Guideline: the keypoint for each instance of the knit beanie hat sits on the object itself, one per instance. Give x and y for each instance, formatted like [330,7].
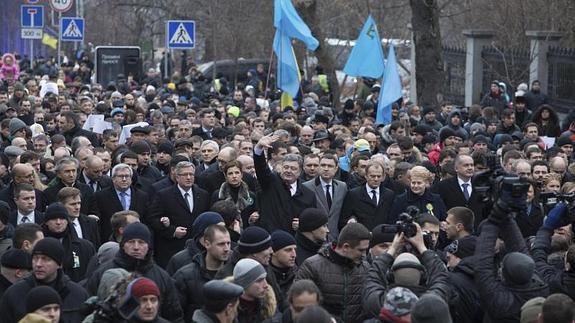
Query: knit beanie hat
[41,296]
[166,147]
[203,221]
[137,230]
[422,129]
[564,140]
[517,268]
[16,125]
[55,211]
[281,239]
[311,219]
[253,240]
[247,271]
[531,309]
[430,308]
[399,301]
[142,287]
[140,147]
[427,110]
[16,259]
[50,247]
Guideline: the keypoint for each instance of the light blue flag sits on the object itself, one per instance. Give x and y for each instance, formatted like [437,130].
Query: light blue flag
[289,22]
[391,89]
[366,58]
[289,25]
[288,76]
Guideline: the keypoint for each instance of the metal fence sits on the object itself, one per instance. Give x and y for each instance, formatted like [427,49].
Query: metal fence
[454,65]
[561,90]
[505,65]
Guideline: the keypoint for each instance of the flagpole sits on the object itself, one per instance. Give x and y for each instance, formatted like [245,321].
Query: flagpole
[269,72]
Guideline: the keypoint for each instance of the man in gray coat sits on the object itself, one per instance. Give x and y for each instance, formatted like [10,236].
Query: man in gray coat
[329,192]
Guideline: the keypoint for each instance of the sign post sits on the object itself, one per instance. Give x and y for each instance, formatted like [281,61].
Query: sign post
[180,34]
[31,23]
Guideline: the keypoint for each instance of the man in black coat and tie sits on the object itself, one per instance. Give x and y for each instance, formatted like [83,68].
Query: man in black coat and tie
[84,227]
[120,197]
[93,176]
[368,204]
[22,174]
[174,211]
[25,211]
[208,121]
[459,191]
[282,198]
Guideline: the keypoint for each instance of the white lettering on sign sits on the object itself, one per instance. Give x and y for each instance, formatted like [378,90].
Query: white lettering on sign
[110,59]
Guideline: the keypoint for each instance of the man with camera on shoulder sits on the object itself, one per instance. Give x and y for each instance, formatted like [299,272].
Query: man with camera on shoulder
[421,271]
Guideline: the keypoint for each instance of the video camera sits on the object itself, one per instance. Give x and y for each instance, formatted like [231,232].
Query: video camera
[512,198]
[551,199]
[405,224]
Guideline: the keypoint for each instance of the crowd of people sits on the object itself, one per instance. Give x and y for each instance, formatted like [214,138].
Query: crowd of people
[196,200]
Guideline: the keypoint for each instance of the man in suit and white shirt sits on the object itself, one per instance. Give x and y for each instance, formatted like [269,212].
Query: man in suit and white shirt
[92,174]
[459,191]
[329,192]
[25,212]
[121,196]
[84,226]
[173,212]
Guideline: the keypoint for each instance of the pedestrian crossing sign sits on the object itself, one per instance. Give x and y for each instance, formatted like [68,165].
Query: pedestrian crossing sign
[180,34]
[72,29]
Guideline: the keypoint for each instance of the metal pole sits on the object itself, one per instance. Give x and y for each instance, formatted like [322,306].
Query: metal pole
[32,54]
[59,37]
[166,63]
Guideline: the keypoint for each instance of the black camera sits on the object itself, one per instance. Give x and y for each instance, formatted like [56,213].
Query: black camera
[512,198]
[551,199]
[404,223]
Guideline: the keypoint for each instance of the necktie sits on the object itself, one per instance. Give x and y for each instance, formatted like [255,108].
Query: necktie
[124,201]
[92,186]
[328,195]
[25,219]
[465,191]
[186,196]
[374,197]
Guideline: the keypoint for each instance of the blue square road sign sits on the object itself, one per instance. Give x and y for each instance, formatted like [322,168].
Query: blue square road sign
[31,16]
[180,34]
[72,29]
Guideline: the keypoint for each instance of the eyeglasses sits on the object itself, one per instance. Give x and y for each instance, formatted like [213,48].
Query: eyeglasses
[186,174]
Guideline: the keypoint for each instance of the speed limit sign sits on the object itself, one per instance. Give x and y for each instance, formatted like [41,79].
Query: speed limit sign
[61,5]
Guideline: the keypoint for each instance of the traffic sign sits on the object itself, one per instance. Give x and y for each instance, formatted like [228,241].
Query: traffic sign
[181,34]
[72,29]
[61,5]
[31,16]
[31,33]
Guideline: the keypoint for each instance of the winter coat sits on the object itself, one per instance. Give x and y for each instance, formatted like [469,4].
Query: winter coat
[377,284]
[170,304]
[265,309]
[202,316]
[189,281]
[426,203]
[277,207]
[340,281]
[13,306]
[459,130]
[530,223]
[501,301]
[466,307]
[559,280]
[184,257]
[284,278]
[306,248]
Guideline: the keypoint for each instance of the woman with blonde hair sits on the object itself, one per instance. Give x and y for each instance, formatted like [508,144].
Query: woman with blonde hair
[419,195]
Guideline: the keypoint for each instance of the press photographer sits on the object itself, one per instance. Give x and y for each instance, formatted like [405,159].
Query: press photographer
[422,271]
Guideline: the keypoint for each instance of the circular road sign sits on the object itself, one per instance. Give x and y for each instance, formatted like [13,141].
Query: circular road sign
[61,5]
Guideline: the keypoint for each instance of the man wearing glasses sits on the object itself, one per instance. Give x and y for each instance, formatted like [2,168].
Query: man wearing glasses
[22,174]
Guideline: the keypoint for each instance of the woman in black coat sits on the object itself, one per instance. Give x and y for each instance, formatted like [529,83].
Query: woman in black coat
[530,221]
[237,191]
[419,195]
[547,121]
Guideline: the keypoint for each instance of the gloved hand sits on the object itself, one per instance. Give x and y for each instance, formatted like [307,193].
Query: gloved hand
[557,217]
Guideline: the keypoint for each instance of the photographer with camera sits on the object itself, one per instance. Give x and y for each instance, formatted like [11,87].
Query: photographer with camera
[426,274]
[502,299]
[559,280]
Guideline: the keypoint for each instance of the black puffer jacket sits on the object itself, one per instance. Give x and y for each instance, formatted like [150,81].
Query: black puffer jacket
[377,285]
[502,302]
[170,308]
[13,305]
[465,306]
[560,281]
[306,248]
[190,280]
[184,257]
[340,281]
